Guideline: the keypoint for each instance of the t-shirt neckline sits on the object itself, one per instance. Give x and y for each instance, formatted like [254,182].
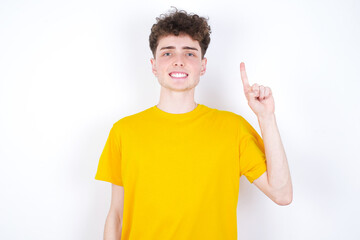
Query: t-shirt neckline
[180,116]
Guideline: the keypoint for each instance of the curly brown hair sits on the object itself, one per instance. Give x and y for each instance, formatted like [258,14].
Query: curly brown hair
[180,22]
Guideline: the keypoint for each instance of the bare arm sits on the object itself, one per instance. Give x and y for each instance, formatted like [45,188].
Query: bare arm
[113,224]
[276,181]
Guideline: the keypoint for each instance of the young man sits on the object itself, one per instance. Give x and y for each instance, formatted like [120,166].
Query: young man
[175,167]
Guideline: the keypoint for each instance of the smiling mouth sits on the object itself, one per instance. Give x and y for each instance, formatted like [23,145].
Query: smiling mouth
[178,75]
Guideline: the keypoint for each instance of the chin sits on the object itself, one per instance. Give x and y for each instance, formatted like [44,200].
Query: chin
[177,87]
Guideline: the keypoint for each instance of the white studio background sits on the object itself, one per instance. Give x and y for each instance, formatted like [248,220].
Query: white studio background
[70,69]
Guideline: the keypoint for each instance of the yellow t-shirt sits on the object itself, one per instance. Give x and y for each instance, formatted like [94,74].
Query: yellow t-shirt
[180,172]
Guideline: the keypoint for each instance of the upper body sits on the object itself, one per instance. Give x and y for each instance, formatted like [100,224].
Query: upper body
[178,64]
[181,171]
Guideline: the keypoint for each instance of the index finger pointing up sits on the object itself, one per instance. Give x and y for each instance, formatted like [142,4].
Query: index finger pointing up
[244,76]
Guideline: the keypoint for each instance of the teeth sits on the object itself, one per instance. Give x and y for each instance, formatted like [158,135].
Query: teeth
[178,75]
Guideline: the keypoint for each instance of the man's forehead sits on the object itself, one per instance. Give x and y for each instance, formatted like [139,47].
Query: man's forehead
[181,41]
[174,47]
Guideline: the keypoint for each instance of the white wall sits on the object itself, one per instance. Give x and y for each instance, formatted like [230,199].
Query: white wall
[70,69]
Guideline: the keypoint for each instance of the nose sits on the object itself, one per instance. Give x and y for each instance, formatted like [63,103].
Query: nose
[178,62]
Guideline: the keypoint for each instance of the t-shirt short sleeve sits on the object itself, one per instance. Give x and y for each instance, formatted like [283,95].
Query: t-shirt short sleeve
[109,167]
[252,160]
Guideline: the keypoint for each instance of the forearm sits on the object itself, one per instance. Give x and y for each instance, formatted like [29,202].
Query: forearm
[113,227]
[277,164]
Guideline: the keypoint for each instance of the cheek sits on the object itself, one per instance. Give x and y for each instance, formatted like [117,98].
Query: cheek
[195,62]
[160,64]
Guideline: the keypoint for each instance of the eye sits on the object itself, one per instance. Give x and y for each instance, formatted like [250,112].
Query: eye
[191,54]
[166,54]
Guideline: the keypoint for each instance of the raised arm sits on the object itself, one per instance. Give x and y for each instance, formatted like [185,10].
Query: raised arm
[276,181]
[113,224]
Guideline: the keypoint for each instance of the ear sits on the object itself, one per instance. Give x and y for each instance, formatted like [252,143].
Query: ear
[203,66]
[153,66]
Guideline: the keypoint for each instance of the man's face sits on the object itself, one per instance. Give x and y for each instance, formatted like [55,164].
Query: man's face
[178,64]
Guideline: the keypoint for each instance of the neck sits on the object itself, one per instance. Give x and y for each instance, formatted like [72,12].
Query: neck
[176,102]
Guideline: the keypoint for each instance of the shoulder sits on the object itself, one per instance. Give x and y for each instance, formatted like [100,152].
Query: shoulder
[235,120]
[229,116]
[132,119]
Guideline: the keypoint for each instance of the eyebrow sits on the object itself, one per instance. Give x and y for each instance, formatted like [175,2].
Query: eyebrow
[172,47]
